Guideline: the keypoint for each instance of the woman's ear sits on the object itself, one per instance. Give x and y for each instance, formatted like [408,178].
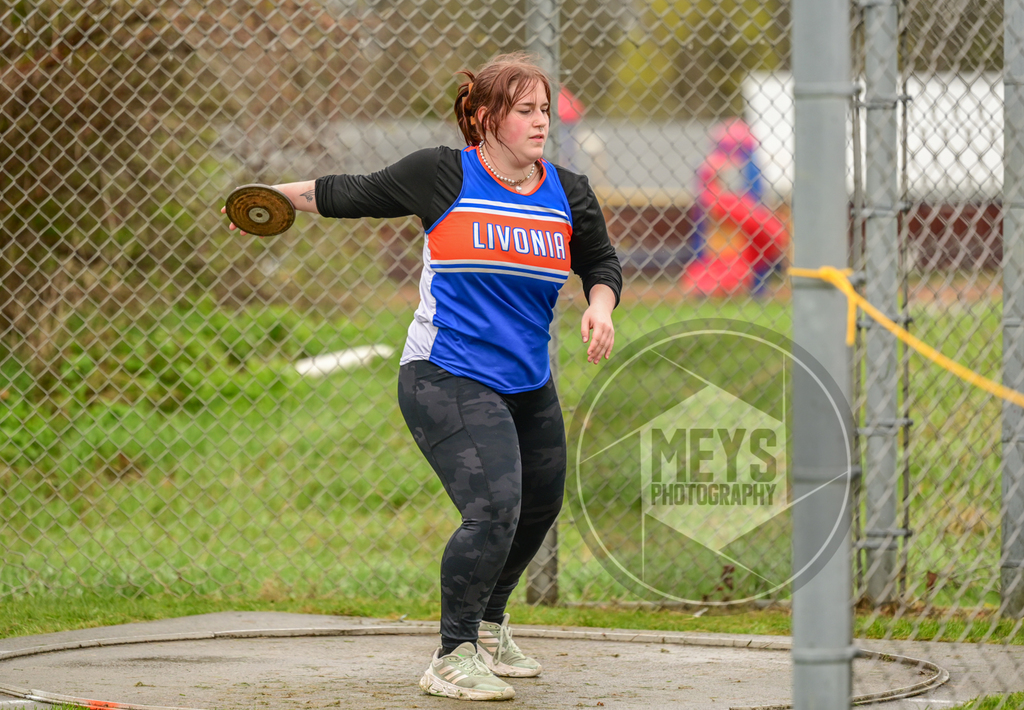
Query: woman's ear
[478,119]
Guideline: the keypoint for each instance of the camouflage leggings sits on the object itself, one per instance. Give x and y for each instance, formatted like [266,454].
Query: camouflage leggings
[501,458]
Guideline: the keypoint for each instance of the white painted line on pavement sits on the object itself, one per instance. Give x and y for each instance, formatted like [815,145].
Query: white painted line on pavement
[931,702]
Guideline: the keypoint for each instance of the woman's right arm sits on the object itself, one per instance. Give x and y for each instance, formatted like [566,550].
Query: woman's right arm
[403,188]
[412,186]
[302,194]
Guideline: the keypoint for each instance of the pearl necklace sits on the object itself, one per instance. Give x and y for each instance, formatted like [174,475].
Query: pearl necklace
[517,184]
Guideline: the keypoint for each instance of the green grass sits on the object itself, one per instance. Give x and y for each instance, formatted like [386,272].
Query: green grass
[46,614]
[993,702]
[39,614]
[269,486]
[309,486]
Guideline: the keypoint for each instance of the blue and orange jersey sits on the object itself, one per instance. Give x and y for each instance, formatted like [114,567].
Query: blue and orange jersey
[493,265]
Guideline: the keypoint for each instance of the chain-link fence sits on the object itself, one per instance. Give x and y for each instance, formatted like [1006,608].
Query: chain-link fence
[161,428]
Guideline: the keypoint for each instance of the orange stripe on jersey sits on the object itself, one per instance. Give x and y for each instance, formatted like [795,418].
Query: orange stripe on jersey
[502,237]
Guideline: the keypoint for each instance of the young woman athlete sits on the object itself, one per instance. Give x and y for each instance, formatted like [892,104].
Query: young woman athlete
[503,227]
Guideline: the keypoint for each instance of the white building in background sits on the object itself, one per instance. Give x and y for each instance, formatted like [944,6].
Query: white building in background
[955,144]
[954,136]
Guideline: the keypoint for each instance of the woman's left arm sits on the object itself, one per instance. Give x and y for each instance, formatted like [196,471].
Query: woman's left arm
[595,261]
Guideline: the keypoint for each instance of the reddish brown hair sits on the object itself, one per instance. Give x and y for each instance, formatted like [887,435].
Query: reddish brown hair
[499,85]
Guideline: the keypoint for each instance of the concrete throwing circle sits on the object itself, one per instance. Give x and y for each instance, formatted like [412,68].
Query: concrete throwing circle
[374,667]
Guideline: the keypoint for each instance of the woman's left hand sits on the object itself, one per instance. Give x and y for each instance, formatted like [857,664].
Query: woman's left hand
[598,318]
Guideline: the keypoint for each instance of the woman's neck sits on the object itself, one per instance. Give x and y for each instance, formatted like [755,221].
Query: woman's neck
[504,164]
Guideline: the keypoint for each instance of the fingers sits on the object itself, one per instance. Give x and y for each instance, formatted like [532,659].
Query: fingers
[231,225]
[602,339]
[600,345]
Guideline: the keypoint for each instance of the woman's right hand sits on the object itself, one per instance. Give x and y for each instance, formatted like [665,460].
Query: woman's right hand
[231,225]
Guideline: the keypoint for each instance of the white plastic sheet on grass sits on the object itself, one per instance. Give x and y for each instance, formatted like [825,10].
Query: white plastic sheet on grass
[349,359]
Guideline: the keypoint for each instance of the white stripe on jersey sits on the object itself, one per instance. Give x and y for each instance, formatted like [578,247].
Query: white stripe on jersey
[501,213]
[509,272]
[447,263]
[513,206]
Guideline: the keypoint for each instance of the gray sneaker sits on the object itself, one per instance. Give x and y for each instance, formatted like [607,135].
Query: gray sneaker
[462,675]
[501,654]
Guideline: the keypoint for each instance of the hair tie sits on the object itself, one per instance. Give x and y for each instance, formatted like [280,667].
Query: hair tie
[465,100]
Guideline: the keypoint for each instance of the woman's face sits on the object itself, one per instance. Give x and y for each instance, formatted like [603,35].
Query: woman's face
[525,130]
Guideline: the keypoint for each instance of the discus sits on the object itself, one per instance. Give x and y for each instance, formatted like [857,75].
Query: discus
[261,210]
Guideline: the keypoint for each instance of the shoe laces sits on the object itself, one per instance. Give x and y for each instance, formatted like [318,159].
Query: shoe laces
[474,665]
[507,648]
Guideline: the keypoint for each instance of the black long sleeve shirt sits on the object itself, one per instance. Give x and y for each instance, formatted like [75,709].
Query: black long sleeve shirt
[426,183]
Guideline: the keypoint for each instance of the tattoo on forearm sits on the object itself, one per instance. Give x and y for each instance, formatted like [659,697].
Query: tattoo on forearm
[309,195]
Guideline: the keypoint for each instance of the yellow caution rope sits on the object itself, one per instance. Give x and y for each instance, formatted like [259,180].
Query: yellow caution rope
[839,279]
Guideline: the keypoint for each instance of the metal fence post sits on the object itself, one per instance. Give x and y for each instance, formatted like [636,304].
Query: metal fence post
[881,260]
[1012,557]
[543,37]
[822,628]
